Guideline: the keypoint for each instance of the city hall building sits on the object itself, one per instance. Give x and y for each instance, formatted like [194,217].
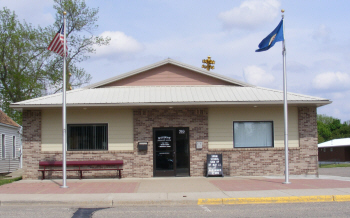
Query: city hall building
[163,120]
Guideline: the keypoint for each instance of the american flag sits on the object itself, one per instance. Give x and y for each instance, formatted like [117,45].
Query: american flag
[57,44]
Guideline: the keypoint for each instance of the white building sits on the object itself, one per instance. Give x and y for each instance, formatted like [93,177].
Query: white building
[10,140]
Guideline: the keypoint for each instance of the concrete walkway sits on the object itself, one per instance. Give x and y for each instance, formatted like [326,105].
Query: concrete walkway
[178,190]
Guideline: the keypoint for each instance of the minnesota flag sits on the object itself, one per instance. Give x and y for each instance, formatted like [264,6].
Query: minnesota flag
[275,36]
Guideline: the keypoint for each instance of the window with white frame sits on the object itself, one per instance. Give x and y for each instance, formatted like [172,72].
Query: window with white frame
[14,147]
[253,134]
[87,137]
[3,151]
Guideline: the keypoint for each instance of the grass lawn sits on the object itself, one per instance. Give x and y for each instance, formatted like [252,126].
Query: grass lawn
[4,181]
[334,165]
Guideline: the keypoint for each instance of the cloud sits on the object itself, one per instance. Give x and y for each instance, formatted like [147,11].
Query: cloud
[322,33]
[340,107]
[37,12]
[257,76]
[120,45]
[250,14]
[331,81]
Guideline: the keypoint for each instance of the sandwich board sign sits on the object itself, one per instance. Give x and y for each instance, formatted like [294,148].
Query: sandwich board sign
[214,165]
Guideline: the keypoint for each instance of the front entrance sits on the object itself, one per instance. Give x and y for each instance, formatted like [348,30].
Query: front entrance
[171,151]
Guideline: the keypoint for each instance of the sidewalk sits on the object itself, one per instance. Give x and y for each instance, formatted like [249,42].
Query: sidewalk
[178,190]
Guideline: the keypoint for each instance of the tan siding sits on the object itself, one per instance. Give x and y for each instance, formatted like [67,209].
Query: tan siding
[120,126]
[221,124]
[168,75]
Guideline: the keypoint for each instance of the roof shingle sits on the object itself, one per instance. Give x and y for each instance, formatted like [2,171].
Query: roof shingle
[7,120]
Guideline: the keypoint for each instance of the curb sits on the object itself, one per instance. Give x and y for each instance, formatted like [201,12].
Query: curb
[58,203]
[107,203]
[274,200]
[201,201]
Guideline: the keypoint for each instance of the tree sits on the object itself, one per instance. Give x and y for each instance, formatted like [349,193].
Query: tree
[324,133]
[28,69]
[329,128]
[80,26]
[22,62]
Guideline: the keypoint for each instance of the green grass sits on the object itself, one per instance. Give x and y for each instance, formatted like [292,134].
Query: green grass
[334,165]
[6,181]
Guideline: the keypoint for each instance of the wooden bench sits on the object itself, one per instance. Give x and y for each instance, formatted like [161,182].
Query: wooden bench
[77,166]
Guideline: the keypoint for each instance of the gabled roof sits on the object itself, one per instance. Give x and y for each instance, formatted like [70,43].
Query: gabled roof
[4,119]
[164,62]
[171,95]
[238,93]
[335,143]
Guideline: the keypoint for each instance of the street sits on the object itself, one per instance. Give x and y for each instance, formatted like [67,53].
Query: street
[333,209]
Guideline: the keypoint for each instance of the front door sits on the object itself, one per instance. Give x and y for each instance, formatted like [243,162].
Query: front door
[171,151]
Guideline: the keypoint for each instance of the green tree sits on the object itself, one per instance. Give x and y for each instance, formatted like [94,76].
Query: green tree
[329,128]
[324,133]
[28,69]
[22,62]
[80,26]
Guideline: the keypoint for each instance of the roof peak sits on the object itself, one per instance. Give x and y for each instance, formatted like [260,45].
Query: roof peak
[162,63]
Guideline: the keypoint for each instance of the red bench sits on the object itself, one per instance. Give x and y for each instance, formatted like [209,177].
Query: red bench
[79,164]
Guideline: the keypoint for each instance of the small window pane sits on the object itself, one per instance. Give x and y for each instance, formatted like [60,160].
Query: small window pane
[87,137]
[14,147]
[3,151]
[253,134]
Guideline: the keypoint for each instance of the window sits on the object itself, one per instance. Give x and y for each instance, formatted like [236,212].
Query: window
[253,134]
[14,147]
[3,152]
[87,137]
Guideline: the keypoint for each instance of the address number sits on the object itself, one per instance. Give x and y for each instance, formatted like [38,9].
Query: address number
[182,131]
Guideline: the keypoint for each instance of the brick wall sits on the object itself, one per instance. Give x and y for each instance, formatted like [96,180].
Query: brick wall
[236,161]
[31,143]
[271,161]
[194,118]
[308,139]
[140,163]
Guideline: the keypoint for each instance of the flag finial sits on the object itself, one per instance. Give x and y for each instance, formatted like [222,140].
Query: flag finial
[282,10]
[64,13]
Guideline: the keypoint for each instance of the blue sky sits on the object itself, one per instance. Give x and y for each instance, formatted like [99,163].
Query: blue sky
[147,31]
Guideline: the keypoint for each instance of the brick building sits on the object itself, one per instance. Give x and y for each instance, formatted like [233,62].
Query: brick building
[178,114]
[336,150]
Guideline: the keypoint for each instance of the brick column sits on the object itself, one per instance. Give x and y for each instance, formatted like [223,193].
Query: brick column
[308,140]
[31,143]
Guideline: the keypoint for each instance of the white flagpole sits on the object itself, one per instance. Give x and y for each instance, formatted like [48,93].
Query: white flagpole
[285,105]
[64,124]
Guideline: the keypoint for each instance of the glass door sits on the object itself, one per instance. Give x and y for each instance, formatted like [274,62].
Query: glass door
[164,152]
[182,151]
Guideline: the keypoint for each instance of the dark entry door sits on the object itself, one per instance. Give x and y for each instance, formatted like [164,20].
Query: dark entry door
[164,152]
[182,151]
[171,151]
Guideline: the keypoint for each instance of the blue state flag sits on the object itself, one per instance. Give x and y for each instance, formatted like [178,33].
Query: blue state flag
[275,36]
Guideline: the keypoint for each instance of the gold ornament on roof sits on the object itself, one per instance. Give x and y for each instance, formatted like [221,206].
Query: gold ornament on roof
[209,63]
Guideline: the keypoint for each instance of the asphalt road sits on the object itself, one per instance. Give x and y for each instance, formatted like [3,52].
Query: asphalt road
[333,209]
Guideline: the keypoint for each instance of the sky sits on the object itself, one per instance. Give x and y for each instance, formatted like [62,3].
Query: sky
[143,32]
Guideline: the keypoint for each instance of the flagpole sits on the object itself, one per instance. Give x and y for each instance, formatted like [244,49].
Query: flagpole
[285,106]
[64,124]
